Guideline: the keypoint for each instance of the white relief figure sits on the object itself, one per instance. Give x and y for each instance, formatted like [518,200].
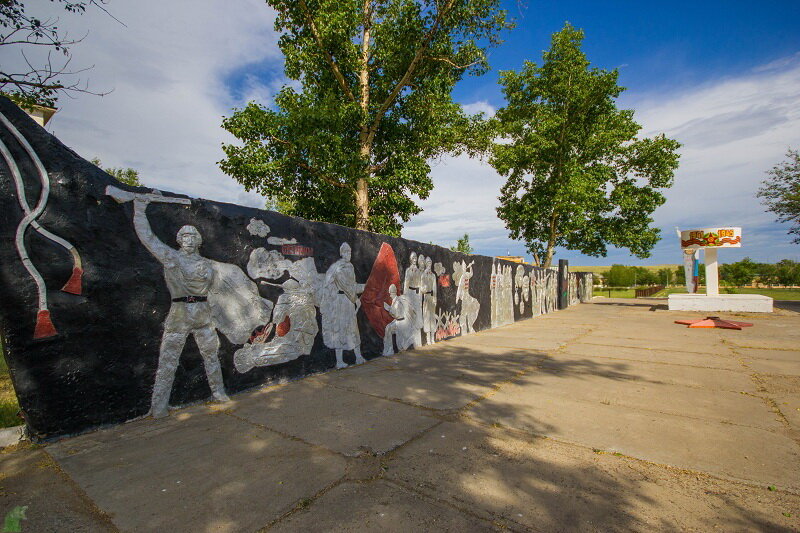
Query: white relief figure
[411,289]
[258,228]
[44,327]
[429,301]
[294,320]
[205,295]
[402,328]
[470,305]
[339,304]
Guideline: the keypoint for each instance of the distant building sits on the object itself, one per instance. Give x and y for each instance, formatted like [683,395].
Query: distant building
[512,258]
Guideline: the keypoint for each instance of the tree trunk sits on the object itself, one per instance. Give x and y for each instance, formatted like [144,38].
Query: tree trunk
[362,204]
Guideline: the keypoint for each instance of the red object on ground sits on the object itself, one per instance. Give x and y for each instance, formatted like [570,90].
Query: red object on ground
[714,322]
[44,326]
[73,285]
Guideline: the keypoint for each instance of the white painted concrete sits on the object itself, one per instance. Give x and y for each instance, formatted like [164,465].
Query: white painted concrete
[751,303]
[712,272]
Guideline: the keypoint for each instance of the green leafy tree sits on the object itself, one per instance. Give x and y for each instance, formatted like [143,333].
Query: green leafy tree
[39,83]
[665,277]
[577,174]
[352,145]
[767,274]
[680,275]
[619,276]
[787,272]
[128,175]
[739,273]
[781,192]
[279,204]
[463,245]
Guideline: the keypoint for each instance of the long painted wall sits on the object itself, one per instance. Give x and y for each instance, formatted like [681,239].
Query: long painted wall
[118,301]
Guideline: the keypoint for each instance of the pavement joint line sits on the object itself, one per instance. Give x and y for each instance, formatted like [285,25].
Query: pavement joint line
[498,521]
[653,349]
[92,507]
[767,399]
[653,362]
[319,447]
[766,348]
[304,503]
[433,411]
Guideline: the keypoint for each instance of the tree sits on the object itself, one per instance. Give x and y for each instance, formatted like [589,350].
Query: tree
[352,145]
[463,245]
[781,192]
[39,82]
[577,175]
[618,276]
[665,276]
[787,272]
[739,273]
[128,175]
[279,205]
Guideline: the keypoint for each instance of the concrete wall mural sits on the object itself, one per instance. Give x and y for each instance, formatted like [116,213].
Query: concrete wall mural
[118,302]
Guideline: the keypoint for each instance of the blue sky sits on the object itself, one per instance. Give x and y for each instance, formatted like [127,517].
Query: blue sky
[721,77]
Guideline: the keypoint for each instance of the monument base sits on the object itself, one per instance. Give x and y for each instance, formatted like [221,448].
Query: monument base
[748,303]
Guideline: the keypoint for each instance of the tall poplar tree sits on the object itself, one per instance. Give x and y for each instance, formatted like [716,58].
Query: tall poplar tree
[352,144]
[578,175]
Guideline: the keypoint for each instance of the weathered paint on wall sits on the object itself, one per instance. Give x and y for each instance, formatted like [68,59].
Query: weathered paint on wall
[120,301]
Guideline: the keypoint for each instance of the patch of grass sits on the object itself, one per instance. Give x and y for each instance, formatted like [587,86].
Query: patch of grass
[615,293]
[8,398]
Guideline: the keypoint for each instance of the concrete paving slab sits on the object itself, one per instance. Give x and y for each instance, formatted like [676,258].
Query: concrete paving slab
[379,506]
[768,343]
[30,478]
[653,355]
[521,481]
[337,419]
[697,344]
[205,473]
[772,355]
[674,374]
[765,366]
[723,449]
[432,390]
[610,389]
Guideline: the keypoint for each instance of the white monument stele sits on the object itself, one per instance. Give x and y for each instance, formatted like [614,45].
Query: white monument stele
[710,240]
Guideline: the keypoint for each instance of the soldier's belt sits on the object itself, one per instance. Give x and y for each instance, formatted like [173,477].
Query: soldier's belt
[191,299]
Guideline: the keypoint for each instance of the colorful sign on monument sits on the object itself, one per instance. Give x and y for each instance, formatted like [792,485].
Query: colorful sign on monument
[723,237]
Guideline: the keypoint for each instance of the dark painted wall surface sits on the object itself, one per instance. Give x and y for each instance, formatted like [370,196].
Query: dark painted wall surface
[108,299]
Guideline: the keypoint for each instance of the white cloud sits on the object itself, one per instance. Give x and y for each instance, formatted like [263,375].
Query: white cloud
[481,106]
[168,68]
[170,71]
[732,132]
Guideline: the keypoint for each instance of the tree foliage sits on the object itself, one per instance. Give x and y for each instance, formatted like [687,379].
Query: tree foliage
[128,175]
[40,81]
[781,192]
[463,245]
[739,273]
[352,144]
[577,175]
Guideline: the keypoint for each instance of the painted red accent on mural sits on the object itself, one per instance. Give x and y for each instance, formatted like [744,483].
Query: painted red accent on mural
[376,291]
[73,284]
[444,280]
[297,249]
[44,326]
[451,330]
[284,327]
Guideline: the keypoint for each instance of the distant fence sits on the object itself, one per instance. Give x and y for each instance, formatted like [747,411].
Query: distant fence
[649,291]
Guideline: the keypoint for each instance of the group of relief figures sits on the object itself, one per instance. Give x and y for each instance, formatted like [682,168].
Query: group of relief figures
[511,286]
[209,296]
